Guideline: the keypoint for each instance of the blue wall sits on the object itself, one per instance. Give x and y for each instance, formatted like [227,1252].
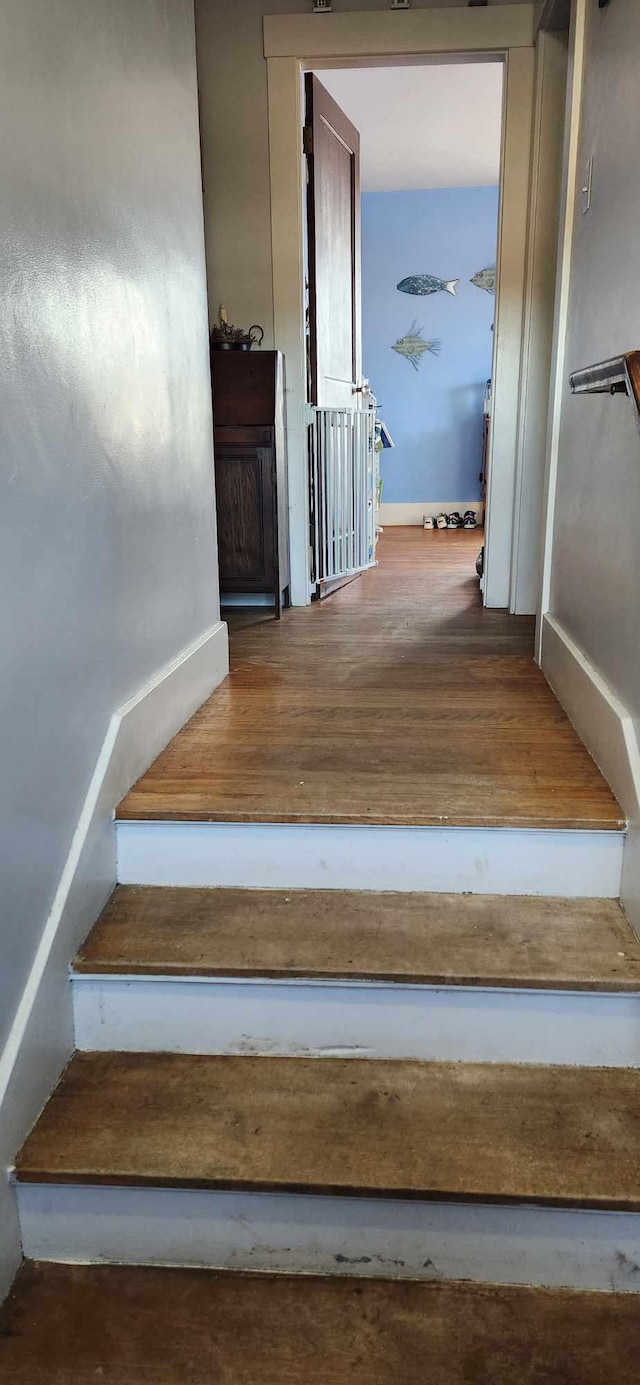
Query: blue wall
[434,413]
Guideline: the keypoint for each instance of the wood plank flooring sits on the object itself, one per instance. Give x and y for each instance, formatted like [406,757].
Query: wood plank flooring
[492,940]
[485,1132]
[398,700]
[71,1324]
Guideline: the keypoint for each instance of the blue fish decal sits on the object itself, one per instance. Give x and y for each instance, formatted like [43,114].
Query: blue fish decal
[427,283]
[413,346]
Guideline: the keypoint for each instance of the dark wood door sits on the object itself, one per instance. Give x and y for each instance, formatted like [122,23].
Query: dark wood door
[333,152]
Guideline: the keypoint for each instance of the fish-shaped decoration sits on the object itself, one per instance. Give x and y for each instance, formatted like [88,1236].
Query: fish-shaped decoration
[427,283]
[413,346]
[485,279]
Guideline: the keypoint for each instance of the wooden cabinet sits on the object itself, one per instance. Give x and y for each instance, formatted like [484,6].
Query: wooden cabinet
[251,476]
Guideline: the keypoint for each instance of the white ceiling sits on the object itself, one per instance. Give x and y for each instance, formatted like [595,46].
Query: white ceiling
[436,126]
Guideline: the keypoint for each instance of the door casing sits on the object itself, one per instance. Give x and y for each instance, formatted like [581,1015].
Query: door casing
[296,43]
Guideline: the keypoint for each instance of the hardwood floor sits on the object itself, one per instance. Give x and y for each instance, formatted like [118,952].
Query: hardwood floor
[398,700]
[423,939]
[72,1324]
[470,1132]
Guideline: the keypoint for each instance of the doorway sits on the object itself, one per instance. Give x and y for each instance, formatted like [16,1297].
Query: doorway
[423,145]
[532,139]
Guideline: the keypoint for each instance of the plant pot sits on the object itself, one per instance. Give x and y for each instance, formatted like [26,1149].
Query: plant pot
[232,345]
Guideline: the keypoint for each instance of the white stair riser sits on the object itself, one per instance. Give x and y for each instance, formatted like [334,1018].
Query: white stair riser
[308,856]
[356,1020]
[331,1235]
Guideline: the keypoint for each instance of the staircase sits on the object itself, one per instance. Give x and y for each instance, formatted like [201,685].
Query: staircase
[431,1100]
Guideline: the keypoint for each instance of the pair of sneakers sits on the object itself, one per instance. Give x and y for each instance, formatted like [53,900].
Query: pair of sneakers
[453,521]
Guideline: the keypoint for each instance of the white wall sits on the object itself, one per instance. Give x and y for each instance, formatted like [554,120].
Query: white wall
[595,580]
[590,644]
[108,529]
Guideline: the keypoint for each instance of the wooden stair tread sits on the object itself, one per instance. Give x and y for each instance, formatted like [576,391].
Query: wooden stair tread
[453,1131]
[68,1324]
[574,944]
[402,700]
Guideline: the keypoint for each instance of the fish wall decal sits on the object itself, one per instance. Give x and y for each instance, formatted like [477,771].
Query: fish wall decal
[485,279]
[413,346]
[427,283]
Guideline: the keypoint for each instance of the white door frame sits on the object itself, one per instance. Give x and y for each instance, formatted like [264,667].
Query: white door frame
[558,383]
[538,326]
[293,44]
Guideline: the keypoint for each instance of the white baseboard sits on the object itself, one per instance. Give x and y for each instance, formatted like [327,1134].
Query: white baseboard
[320,1234]
[312,856]
[630,887]
[40,1040]
[355,1019]
[147,722]
[412,512]
[609,732]
[603,722]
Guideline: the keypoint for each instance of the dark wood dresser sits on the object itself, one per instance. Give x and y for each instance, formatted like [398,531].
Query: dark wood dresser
[251,474]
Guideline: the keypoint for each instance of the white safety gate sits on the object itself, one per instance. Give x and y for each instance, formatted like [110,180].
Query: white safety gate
[344,480]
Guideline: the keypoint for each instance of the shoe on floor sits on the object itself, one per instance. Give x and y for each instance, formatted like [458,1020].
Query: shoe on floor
[428,522]
[469,520]
[454,520]
[441,522]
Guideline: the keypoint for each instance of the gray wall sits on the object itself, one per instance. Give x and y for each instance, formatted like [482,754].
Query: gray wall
[107,528]
[595,584]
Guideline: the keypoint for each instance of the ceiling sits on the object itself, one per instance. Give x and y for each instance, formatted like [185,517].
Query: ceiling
[434,126]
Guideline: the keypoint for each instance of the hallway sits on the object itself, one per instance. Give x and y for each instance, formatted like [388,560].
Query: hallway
[398,700]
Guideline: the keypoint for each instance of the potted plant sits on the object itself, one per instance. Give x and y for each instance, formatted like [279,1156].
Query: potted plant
[225,337]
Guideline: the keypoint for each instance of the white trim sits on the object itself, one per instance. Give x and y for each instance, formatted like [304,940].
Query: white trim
[558,384]
[296,1233]
[354,35]
[506,373]
[630,887]
[288,222]
[40,1040]
[314,856]
[608,730]
[149,720]
[293,42]
[413,511]
[355,1019]
[603,722]
[542,241]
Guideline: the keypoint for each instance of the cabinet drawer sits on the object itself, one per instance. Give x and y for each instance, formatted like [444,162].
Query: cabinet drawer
[243,436]
[245,386]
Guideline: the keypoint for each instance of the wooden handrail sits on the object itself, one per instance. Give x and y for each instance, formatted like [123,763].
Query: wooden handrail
[620,375]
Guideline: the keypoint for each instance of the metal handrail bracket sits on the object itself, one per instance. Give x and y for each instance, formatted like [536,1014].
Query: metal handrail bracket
[619,375]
